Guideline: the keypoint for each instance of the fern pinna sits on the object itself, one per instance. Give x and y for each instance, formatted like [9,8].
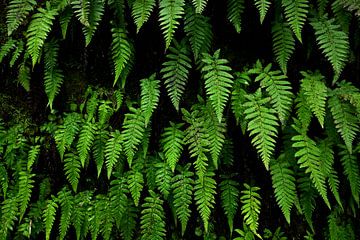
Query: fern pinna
[179,119]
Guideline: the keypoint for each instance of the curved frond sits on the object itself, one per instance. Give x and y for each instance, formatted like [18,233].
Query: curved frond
[235,9]
[296,13]
[251,206]
[230,199]
[141,11]
[150,94]
[263,7]
[17,11]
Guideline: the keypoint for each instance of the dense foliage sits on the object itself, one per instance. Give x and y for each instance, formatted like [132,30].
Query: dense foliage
[179,119]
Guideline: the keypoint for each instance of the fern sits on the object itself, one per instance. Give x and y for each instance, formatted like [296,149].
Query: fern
[170,13]
[283,44]
[82,10]
[251,206]
[182,190]
[150,94]
[262,125]
[24,76]
[112,151]
[277,87]
[152,218]
[218,81]
[133,132]
[204,196]
[235,9]
[141,11]
[118,197]
[49,216]
[315,94]
[26,184]
[17,52]
[9,212]
[283,182]
[6,48]
[263,7]
[199,31]
[64,19]
[307,198]
[128,222]
[229,199]
[72,165]
[86,139]
[38,30]
[32,156]
[96,11]
[342,16]
[163,178]
[295,13]
[199,5]
[172,142]
[53,75]
[175,72]
[333,42]
[309,158]
[120,50]
[105,111]
[99,148]
[17,11]
[66,203]
[135,182]
[303,110]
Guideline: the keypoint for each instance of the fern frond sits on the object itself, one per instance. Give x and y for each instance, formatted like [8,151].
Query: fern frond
[278,88]
[172,141]
[32,156]
[135,182]
[112,151]
[307,198]
[99,148]
[283,44]
[119,7]
[309,158]
[64,19]
[24,76]
[182,190]
[49,216]
[118,197]
[199,31]
[251,206]
[133,132]
[296,13]
[150,94]
[53,76]
[65,134]
[171,11]
[141,11]
[263,7]
[96,11]
[235,9]
[79,215]
[82,10]
[67,204]
[17,11]
[175,72]
[152,218]
[120,51]
[17,52]
[72,165]
[86,139]
[128,222]
[199,5]
[230,199]
[333,42]
[38,30]
[6,48]
[204,196]
[9,212]
[315,94]
[26,184]
[283,182]
[218,81]
[262,125]
[105,111]
[163,178]
[303,110]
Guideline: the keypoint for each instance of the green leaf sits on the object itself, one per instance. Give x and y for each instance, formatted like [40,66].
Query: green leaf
[199,5]
[17,12]
[251,206]
[72,165]
[230,199]
[295,13]
[86,139]
[112,151]
[263,7]
[141,11]
[150,95]
[135,182]
[49,216]
[235,10]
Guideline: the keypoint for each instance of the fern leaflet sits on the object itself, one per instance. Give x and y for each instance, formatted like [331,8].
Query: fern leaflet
[112,151]
[295,13]
[49,216]
[199,5]
[96,11]
[86,139]
[66,203]
[263,7]
[235,9]
[141,11]
[26,184]
[251,206]
[16,13]
[150,94]
[229,199]
[72,167]
[135,182]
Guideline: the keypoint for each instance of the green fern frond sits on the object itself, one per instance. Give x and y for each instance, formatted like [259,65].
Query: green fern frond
[17,11]
[150,94]
[235,9]
[171,11]
[24,76]
[119,8]
[333,42]
[105,111]
[307,198]
[152,222]
[163,178]
[172,141]
[199,31]
[128,222]
[67,204]
[182,190]
[283,182]
[64,19]
[296,13]
[141,11]
[251,206]
[38,30]
[65,134]
[303,110]
[278,88]
[262,125]
[315,94]
[72,165]
[53,76]
[118,197]
[218,81]
[6,48]
[99,148]
[32,156]
[345,120]
[120,51]
[17,52]
[309,158]
[9,212]
[322,6]
[86,139]
[80,214]
[204,196]
[112,151]
[49,215]
[283,44]
[135,182]
[175,71]
[82,10]
[342,16]
[96,11]
[199,5]
[26,184]
[133,132]
[230,199]
[263,7]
